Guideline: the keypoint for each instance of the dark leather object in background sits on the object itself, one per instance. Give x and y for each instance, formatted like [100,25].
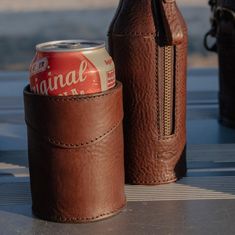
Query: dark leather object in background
[138,33]
[226,54]
[76,157]
[227,4]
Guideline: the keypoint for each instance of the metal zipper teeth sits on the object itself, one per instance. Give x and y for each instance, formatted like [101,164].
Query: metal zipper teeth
[168,90]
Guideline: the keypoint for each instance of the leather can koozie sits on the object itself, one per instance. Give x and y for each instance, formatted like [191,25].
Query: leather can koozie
[75,149]
[223,29]
[148,43]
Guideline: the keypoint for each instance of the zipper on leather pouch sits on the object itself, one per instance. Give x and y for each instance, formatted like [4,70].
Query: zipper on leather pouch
[168,90]
[167,39]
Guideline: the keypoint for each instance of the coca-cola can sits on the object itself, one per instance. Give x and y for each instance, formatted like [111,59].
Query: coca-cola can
[71,67]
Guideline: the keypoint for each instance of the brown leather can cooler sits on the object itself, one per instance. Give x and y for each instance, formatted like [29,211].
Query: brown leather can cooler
[75,150]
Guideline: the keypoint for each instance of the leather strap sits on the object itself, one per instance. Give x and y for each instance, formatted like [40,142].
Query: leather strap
[172,24]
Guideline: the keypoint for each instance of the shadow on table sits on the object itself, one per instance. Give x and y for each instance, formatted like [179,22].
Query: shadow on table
[22,214]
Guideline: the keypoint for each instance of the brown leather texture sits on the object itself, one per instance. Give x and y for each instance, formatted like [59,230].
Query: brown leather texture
[226,54]
[138,35]
[76,159]
[173,24]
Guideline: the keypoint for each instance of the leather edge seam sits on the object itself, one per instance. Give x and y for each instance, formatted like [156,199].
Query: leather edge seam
[155,181]
[136,34]
[61,144]
[82,219]
[77,98]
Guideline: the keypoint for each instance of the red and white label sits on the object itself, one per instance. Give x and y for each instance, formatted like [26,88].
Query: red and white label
[71,73]
[39,66]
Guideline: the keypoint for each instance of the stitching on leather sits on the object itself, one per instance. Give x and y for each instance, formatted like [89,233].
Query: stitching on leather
[61,144]
[58,218]
[155,181]
[78,98]
[169,137]
[134,34]
[178,75]
[157,88]
[57,142]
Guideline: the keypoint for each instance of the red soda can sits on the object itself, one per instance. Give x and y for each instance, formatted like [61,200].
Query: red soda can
[71,67]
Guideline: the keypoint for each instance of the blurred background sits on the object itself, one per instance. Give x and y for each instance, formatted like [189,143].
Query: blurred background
[25,23]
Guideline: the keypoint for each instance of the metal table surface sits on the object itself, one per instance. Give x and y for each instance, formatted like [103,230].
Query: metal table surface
[201,203]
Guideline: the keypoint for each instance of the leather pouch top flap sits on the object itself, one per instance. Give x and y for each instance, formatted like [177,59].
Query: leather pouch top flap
[74,121]
[172,22]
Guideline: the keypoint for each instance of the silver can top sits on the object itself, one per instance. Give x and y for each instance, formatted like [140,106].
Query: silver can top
[69,46]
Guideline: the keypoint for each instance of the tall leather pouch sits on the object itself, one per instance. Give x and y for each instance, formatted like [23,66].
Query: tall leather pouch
[148,42]
[75,148]
[223,29]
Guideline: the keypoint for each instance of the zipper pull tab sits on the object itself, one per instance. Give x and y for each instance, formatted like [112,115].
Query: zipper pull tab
[172,22]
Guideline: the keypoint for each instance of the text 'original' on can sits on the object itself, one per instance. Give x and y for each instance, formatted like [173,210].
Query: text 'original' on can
[71,67]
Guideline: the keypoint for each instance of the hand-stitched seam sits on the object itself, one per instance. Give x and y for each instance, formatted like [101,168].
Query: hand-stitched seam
[154,181]
[58,218]
[61,144]
[57,142]
[78,98]
[156,90]
[177,89]
[136,34]
[169,137]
